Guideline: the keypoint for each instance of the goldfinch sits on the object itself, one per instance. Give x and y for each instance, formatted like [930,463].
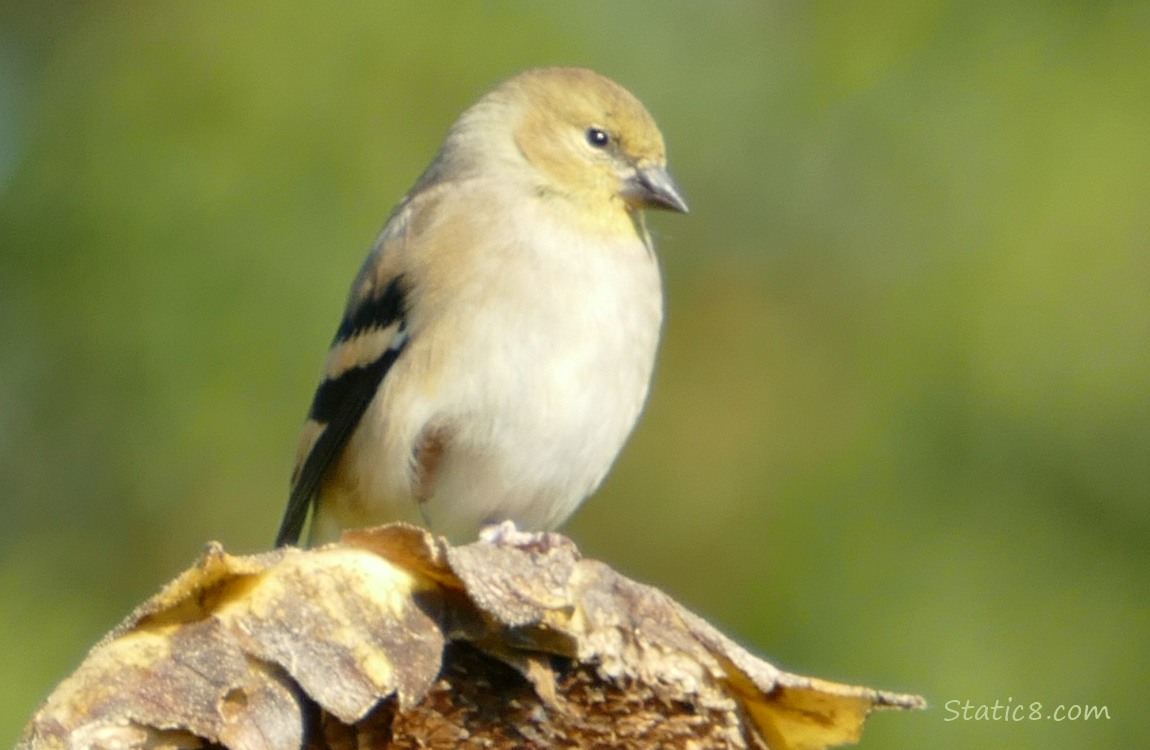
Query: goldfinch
[498,342]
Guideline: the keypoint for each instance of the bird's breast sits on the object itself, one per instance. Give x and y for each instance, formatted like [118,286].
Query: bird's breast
[554,338]
[560,332]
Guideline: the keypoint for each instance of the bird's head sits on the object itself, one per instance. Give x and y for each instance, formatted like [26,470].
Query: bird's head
[586,137]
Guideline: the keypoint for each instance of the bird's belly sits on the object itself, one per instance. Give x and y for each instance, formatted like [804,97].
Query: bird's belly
[544,395]
[539,435]
[530,378]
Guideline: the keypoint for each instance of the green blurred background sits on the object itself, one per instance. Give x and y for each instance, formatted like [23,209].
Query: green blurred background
[900,431]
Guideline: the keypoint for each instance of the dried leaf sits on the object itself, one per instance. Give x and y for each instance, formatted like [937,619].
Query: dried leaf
[392,638]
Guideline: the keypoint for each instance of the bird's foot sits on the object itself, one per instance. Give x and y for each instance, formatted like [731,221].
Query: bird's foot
[507,534]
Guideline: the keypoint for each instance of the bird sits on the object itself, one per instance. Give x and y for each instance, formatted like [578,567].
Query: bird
[498,342]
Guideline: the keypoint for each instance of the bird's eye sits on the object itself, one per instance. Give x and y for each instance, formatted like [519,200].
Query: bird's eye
[598,138]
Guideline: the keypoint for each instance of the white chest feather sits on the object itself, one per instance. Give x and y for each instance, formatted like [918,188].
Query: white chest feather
[533,369]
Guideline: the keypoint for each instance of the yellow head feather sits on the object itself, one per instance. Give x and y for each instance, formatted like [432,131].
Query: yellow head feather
[586,137]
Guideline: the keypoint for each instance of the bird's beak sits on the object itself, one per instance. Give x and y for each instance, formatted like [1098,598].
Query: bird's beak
[652,187]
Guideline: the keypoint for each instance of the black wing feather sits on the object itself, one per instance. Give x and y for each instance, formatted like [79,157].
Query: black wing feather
[340,402]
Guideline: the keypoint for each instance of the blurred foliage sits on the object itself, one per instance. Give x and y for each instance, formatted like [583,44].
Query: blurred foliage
[900,433]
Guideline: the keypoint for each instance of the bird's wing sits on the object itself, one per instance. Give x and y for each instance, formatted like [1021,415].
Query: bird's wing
[371,336]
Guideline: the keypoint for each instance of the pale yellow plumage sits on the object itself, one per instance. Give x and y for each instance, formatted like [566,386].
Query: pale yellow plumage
[499,341]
